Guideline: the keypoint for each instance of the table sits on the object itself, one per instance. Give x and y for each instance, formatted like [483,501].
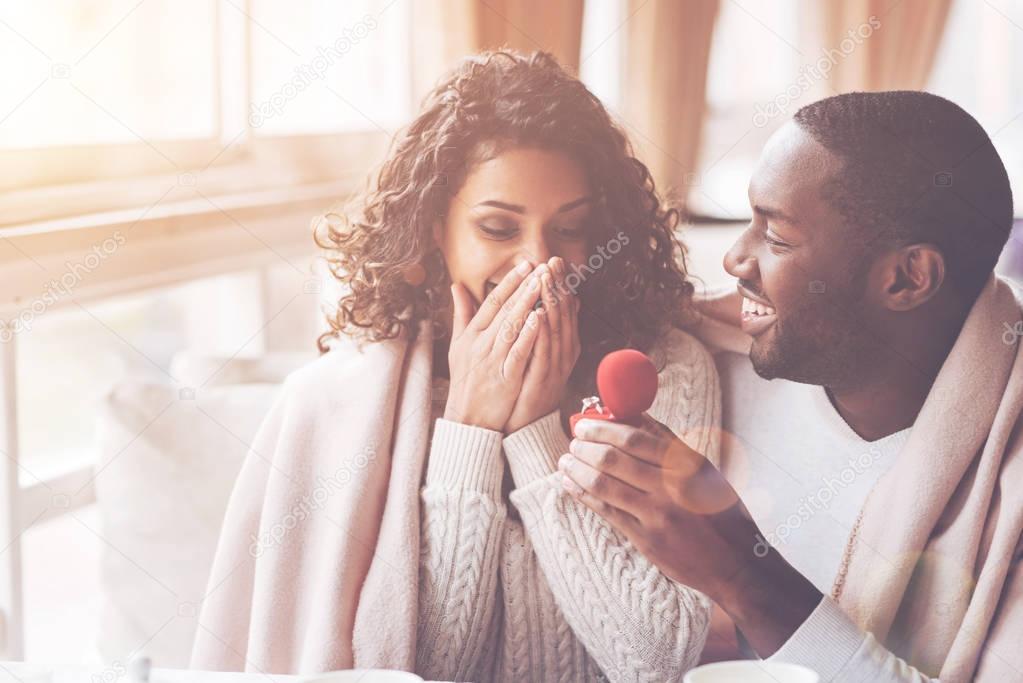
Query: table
[157,675]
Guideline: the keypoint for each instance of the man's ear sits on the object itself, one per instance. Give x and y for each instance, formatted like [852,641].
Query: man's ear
[911,276]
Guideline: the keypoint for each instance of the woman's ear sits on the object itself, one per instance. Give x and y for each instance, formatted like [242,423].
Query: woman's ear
[438,231]
[913,275]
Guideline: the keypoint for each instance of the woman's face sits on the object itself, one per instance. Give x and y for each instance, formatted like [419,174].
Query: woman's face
[524,204]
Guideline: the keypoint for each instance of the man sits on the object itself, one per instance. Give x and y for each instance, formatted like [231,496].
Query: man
[868,523]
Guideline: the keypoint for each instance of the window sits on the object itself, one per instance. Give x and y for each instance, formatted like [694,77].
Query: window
[122,89]
[161,161]
[979,66]
[739,91]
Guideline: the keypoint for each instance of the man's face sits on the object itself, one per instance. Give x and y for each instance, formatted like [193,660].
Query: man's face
[799,272]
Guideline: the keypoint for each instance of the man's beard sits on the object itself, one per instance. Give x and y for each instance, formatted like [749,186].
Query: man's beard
[820,342]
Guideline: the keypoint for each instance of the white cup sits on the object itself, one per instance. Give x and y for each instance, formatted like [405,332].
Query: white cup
[751,671]
[20,672]
[363,676]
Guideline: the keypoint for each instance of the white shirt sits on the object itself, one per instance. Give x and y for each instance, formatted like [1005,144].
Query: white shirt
[802,471]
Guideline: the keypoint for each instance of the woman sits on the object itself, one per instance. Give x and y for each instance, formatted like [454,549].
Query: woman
[512,232]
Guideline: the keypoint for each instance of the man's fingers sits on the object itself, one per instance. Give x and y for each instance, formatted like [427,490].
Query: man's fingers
[518,355]
[640,443]
[622,521]
[618,464]
[492,304]
[464,307]
[603,486]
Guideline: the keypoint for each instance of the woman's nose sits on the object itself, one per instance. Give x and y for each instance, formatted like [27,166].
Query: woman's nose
[536,252]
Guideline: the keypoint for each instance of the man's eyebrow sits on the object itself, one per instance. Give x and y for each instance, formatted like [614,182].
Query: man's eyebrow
[774,214]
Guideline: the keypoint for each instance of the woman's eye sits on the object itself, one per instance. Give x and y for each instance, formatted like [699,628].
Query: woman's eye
[496,233]
[570,233]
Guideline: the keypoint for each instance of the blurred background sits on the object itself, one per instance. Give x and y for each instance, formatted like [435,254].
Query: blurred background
[161,166]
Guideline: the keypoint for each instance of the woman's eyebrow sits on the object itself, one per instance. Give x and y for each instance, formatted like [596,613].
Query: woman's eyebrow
[578,202]
[514,208]
[518,208]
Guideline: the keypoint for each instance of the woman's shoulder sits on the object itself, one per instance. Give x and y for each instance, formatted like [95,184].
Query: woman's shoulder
[688,392]
[345,365]
[678,351]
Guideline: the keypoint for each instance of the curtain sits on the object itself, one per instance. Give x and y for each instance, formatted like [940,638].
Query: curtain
[447,30]
[664,86]
[880,44]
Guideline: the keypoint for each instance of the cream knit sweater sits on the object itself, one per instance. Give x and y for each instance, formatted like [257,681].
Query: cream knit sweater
[559,596]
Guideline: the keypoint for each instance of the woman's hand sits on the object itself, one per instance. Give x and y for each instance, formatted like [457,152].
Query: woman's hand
[555,352]
[490,349]
[678,510]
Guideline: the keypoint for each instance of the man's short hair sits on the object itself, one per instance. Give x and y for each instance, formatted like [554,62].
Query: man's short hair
[917,168]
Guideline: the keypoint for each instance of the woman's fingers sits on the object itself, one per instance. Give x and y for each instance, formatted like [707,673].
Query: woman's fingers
[552,307]
[569,323]
[518,355]
[540,363]
[464,309]
[492,304]
[618,464]
[505,330]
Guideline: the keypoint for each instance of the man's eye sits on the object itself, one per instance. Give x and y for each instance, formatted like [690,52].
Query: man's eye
[775,243]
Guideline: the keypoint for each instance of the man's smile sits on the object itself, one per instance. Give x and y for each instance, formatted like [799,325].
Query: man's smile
[757,313]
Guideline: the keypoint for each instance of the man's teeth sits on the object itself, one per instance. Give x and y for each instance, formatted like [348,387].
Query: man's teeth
[754,308]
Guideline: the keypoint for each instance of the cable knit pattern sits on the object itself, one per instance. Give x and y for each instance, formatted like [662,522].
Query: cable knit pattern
[462,526]
[564,595]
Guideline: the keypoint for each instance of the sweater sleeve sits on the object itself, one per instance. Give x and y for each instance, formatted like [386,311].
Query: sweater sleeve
[831,644]
[636,623]
[462,522]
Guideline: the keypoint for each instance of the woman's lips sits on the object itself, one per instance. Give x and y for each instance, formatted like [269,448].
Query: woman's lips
[756,317]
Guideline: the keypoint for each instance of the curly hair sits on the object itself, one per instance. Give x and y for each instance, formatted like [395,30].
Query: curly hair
[494,101]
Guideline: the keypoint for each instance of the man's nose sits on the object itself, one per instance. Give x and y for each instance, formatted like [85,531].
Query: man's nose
[740,262]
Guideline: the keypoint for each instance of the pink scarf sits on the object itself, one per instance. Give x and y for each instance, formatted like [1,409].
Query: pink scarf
[317,563]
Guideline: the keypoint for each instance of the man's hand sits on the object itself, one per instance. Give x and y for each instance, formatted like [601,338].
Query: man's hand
[681,513]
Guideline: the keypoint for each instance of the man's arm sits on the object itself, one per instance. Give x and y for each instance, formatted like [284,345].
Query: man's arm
[680,512]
